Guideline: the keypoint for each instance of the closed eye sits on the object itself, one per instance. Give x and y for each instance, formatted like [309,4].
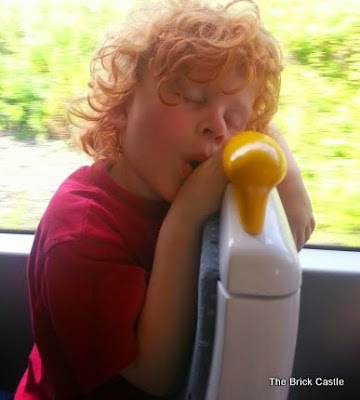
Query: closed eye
[237,119]
[196,101]
[235,122]
[194,94]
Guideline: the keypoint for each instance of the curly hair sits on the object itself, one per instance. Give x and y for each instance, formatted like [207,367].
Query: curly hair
[180,38]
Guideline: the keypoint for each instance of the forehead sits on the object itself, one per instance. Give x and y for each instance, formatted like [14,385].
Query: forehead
[230,83]
[233,82]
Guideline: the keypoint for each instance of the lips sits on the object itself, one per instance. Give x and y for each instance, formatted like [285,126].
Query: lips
[186,170]
[190,165]
[194,163]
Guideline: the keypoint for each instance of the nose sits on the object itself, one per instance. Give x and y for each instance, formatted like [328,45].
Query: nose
[214,128]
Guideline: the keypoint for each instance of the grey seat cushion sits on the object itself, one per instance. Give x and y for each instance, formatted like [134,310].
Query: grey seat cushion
[6,395]
[206,317]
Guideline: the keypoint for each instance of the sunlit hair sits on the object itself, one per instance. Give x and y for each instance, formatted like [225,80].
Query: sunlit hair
[179,38]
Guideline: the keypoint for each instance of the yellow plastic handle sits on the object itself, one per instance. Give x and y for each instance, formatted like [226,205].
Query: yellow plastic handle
[254,163]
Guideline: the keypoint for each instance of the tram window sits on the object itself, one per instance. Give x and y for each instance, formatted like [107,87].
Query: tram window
[45,47]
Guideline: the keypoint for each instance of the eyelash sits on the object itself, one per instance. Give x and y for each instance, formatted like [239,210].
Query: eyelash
[198,102]
[234,122]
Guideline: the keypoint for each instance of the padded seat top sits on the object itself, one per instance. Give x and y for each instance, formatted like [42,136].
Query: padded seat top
[206,312]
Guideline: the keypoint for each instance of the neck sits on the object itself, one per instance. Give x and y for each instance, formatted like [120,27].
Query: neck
[125,176]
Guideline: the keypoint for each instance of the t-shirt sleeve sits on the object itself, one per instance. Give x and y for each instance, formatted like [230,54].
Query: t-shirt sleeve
[94,296]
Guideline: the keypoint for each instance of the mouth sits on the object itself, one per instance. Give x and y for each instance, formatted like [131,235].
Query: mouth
[189,167]
[194,164]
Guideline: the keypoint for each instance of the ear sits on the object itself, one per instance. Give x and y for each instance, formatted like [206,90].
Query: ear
[118,114]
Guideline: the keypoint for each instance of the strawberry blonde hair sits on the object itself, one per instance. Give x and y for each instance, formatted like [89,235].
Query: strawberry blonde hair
[180,38]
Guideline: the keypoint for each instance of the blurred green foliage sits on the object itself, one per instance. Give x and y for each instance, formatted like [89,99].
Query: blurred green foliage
[319,106]
[45,48]
[46,45]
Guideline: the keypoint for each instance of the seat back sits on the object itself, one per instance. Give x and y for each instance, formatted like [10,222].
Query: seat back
[15,326]
[248,308]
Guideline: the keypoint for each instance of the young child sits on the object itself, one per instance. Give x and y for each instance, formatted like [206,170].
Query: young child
[113,269]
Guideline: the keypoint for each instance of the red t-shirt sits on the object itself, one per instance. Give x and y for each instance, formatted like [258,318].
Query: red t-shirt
[87,274]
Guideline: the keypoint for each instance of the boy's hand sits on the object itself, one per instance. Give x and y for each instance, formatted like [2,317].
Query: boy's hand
[201,194]
[298,210]
[293,195]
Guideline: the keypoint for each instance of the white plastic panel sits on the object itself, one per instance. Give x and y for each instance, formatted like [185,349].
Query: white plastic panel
[269,261]
[255,341]
[257,306]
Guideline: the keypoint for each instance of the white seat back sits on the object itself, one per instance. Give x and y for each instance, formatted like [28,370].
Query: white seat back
[257,307]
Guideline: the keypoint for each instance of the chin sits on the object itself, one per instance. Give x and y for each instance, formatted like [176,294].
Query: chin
[166,191]
[169,198]
[170,195]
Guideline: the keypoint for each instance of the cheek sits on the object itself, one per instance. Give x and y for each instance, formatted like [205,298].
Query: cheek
[156,128]
[171,127]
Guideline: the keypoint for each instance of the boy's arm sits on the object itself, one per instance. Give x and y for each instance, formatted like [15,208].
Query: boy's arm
[294,196]
[166,324]
[167,320]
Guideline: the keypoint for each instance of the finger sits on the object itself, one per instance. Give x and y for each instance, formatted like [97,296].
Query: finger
[312,224]
[294,235]
[300,241]
[308,231]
